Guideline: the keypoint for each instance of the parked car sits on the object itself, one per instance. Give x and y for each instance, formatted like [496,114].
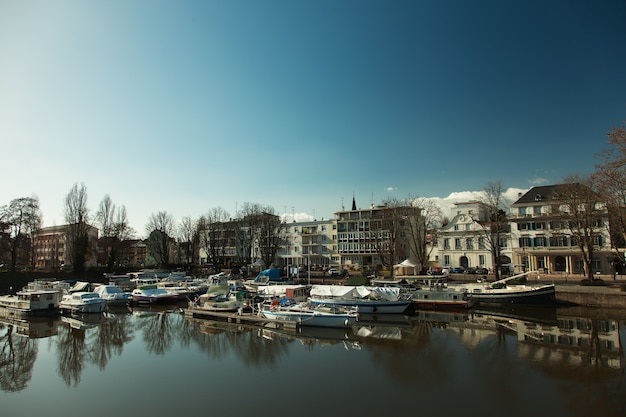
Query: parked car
[457,270]
[333,271]
[481,270]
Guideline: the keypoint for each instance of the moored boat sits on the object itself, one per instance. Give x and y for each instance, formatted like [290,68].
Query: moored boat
[501,293]
[35,302]
[82,302]
[113,294]
[151,294]
[305,314]
[380,300]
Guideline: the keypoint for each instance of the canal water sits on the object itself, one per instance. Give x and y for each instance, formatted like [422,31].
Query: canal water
[517,362]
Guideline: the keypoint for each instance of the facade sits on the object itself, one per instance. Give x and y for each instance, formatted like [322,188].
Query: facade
[365,236]
[463,242]
[310,243]
[543,240]
[51,251]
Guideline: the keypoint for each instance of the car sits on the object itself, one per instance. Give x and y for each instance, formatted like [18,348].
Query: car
[457,270]
[481,270]
[333,271]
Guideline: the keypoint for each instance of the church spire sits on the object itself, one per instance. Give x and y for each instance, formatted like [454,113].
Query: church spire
[353,202]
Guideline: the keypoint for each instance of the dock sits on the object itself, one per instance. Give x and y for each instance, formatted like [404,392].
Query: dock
[249,318]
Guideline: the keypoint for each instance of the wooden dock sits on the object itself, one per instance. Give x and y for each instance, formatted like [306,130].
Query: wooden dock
[238,318]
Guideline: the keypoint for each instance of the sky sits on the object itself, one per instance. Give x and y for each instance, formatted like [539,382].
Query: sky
[185,106]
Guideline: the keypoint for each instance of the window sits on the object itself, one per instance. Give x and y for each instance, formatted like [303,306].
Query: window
[469,243]
[446,260]
[481,260]
[446,243]
[481,243]
[457,243]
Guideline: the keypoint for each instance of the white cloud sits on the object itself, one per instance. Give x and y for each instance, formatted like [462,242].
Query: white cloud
[297,217]
[390,189]
[447,203]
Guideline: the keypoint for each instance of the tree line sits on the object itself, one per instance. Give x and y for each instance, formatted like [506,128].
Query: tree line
[585,199]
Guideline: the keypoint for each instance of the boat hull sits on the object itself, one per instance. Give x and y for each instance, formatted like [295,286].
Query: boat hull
[441,298]
[313,318]
[543,295]
[367,306]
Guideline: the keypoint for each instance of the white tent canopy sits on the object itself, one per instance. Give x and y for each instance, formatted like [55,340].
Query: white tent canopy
[407,263]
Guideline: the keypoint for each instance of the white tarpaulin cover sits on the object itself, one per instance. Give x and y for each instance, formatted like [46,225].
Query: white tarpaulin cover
[407,263]
[347,291]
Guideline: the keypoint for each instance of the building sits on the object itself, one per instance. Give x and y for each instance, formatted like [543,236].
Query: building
[543,240]
[310,244]
[464,242]
[51,249]
[375,236]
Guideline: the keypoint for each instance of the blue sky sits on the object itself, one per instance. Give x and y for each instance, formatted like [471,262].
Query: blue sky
[183,106]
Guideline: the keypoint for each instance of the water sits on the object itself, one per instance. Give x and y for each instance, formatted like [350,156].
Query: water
[159,363]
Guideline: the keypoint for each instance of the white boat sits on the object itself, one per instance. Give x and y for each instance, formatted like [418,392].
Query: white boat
[35,302]
[305,314]
[501,293]
[113,294]
[151,294]
[379,300]
[218,302]
[82,302]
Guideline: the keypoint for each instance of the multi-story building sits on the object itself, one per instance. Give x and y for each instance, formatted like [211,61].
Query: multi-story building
[544,241]
[309,243]
[51,249]
[463,242]
[365,236]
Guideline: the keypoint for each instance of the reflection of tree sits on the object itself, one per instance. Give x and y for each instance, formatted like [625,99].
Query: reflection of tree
[110,340]
[245,342]
[158,331]
[17,358]
[72,353]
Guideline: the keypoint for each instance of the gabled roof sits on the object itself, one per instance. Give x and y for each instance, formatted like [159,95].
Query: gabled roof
[542,193]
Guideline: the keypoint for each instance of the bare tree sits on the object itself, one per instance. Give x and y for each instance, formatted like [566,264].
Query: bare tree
[215,237]
[188,239]
[22,218]
[422,238]
[77,218]
[262,230]
[610,179]
[160,228]
[494,225]
[585,212]
[114,228]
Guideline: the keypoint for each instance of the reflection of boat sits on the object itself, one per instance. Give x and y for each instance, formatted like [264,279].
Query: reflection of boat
[380,300]
[304,314]
[500,293]
[113,294]
[31,327]
[32,302]
[82,302]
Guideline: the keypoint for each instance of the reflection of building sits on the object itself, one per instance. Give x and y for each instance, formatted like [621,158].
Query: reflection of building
[51,249]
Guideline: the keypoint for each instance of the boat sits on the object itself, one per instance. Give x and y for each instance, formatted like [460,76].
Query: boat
[151,294]
[366,299]
[34,302]
[432,293]
[306,314]
[218,302]
[113,294]
[501,293]
[82,302]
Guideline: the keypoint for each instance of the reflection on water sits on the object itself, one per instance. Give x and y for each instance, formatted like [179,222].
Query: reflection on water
[567,346]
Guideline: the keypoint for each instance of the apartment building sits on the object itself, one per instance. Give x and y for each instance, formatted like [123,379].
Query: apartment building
[365,236]
[51,250]
[543,240]
[310,243]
